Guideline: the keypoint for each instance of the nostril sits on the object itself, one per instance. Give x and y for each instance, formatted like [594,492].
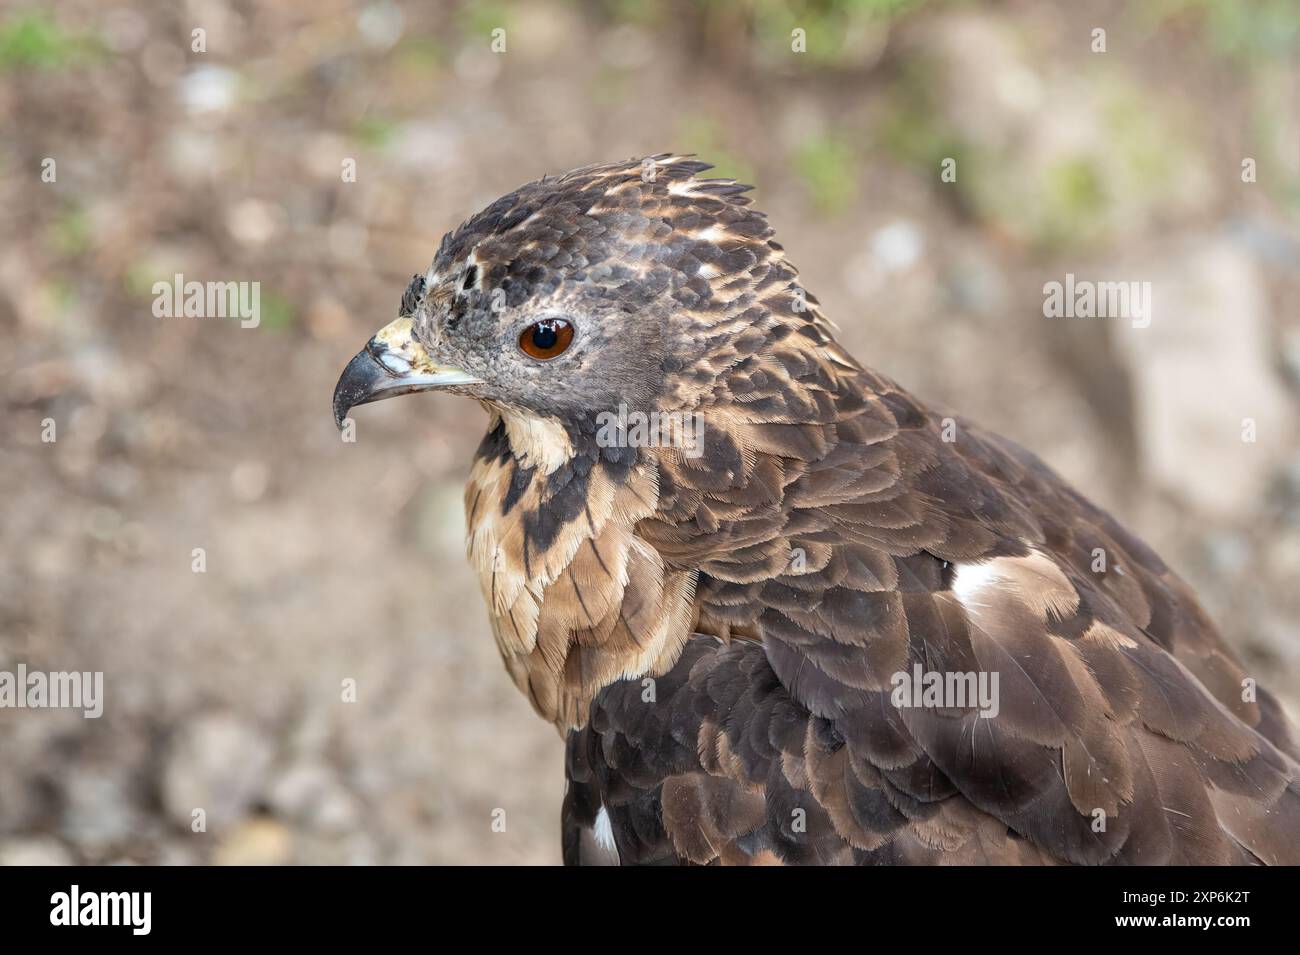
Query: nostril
[389,360]
[395,364]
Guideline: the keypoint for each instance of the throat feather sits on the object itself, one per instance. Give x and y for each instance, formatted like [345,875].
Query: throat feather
[537,441]
[576,599]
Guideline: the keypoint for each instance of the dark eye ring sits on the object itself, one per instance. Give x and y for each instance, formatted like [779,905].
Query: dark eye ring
[546,339]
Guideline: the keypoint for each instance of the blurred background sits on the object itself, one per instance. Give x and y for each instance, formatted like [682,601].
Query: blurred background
[329,562]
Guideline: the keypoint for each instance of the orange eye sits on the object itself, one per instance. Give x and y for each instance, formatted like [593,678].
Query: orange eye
[546,339]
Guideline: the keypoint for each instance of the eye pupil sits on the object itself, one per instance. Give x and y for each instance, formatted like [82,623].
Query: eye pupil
[546,339]
[544,335]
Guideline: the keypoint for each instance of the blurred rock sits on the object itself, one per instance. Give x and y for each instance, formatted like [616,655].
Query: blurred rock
[99,808]
[898,245]
[309,792]
[381,24]
[194,156]
[34,850]
[256,842]
[53,558]
[249,480]
[216,763]
[252,222]
[209,89]
[1202,368]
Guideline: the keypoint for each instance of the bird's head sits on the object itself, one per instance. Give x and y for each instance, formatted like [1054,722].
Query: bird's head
[627,285]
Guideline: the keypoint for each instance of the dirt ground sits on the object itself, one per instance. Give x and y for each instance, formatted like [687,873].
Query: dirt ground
[326,688]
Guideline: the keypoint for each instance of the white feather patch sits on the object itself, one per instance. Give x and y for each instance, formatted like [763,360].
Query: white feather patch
[603,832]
[537,442]
[1035,579]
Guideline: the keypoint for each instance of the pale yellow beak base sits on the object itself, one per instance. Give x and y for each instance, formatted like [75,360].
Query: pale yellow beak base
[392,363]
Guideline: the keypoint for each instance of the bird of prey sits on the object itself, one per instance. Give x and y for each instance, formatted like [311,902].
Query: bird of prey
[764,646]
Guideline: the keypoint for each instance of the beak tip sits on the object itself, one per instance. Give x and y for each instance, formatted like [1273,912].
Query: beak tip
[355,386]
[369,377]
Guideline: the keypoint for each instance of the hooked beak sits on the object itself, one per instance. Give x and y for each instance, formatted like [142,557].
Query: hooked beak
[392,363]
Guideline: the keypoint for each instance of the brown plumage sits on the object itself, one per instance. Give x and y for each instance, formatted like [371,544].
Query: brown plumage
[722,632]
